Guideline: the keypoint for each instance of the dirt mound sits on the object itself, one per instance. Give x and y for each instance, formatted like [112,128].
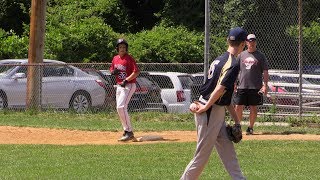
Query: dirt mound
[27,135]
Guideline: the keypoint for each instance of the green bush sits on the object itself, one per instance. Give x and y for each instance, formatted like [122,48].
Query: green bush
[167,44]
[13,46]
[89,40]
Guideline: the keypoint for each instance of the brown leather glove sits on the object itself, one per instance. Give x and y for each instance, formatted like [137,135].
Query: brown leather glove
[234,132]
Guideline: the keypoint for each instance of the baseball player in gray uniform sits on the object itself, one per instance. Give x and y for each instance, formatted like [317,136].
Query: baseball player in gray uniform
[216,94]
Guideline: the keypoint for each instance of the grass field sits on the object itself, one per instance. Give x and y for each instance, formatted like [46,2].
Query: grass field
[258,159]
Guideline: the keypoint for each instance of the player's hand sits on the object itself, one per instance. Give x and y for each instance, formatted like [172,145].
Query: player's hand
[124,82]
[194,107]
[201,108]
[264,90]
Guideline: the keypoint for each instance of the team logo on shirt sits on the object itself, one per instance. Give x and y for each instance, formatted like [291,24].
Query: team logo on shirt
[122,75]
[120,67]
[248,62]
[212,68]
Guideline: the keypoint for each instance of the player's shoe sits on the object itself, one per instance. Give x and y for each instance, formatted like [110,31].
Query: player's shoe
[127,136]
[249,131]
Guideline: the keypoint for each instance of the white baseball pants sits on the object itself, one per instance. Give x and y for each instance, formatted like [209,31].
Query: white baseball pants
[123,97]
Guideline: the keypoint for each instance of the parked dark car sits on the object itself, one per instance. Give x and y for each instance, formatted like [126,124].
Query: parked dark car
[107,84]
[147,96]
[195,87]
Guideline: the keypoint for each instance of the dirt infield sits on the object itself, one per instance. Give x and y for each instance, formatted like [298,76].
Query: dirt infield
[27,135]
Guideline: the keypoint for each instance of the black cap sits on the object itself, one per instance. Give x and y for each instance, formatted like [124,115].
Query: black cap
[237,34]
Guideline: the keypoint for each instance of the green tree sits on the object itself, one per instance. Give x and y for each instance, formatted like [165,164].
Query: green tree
[187,13]
[14,14]
[167,44]
[13,46]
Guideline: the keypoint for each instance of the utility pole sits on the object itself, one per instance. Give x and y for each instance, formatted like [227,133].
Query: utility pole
[35,54]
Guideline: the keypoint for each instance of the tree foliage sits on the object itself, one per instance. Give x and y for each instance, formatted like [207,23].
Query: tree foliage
[167,44]
[157,30]
[13,46]
[14,14]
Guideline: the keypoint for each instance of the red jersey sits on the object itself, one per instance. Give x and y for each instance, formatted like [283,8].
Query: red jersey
[126,65]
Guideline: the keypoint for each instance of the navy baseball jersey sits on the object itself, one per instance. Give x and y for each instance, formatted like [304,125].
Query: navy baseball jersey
[223,71]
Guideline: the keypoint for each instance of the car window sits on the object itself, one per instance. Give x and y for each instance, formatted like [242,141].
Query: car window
[198,79]
[22,69]
[51,71]
[186,81]
[164,82]
[143,81]
[4,68]
[287,79]
[313,80]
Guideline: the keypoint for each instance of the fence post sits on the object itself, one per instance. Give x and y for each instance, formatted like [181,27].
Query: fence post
[300,56]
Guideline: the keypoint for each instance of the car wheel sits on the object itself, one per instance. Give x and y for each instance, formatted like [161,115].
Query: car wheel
[80,102]
[3,101]
[164,109]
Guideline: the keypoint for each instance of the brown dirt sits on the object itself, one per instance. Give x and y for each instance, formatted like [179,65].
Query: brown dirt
[28,135]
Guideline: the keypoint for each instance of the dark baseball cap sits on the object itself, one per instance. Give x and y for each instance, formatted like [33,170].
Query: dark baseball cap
[237,34]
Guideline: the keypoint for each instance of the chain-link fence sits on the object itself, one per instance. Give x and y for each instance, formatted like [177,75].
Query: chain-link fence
[160,87]
[171,87]
[289,51]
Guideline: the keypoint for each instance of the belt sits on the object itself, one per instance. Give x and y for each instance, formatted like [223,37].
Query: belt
[202,100]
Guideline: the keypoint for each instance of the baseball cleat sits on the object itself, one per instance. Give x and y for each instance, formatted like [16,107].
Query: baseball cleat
[249,131]
[127,136]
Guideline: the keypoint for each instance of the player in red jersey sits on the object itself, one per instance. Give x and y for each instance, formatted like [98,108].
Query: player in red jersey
[125,69]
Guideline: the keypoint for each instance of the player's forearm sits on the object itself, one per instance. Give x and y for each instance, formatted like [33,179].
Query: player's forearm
[133,75]
[233,114]
[265,77]
[215,95]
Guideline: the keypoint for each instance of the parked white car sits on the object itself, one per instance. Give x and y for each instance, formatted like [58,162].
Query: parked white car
[63,86]
[175,90]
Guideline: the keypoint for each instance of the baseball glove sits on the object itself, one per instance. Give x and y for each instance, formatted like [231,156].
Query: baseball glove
[234,132]
[115,72]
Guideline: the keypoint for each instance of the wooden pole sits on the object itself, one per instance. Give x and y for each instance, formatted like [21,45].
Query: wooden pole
[35,54]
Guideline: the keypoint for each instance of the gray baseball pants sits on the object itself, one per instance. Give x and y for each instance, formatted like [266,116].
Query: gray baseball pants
[212,134]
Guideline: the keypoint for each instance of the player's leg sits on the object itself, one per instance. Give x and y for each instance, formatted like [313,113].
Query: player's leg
[253,115]
[207,132]
[240,99]
[228,156]
[239,111]
[123,97]
[254,99]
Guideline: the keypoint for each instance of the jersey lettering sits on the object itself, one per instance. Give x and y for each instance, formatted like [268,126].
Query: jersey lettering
[212,68]
[122,75]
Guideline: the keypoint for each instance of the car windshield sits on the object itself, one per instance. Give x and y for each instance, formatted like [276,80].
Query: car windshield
[6,67]
[198,79]
[287,79]
[186,81]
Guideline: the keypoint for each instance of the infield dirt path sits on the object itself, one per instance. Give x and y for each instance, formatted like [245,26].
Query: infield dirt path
[28,135]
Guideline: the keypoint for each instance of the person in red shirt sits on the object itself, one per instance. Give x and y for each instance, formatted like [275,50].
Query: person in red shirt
[125,69]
